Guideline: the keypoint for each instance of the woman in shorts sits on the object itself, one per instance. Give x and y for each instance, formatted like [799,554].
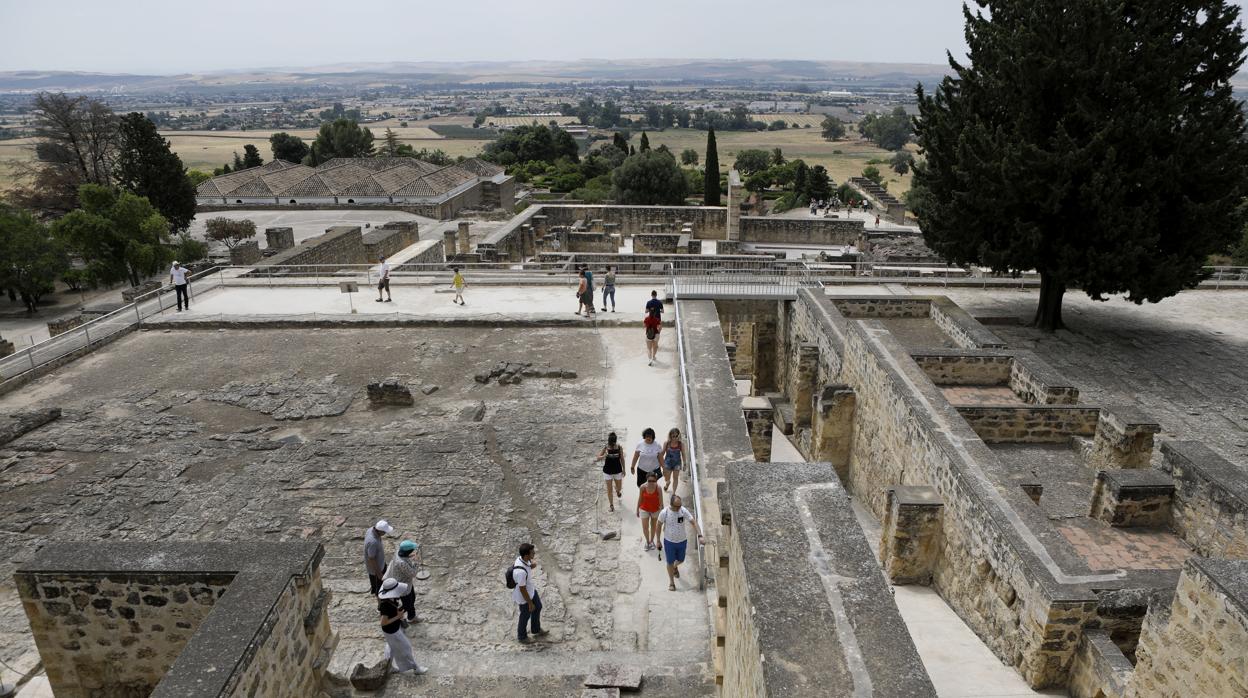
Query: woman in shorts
[612,457]
[673,460]
[654,325]
[649,504]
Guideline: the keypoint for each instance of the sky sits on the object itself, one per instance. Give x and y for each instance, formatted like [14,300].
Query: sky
[164,37]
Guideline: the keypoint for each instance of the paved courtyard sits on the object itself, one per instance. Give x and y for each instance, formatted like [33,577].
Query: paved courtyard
[266,434]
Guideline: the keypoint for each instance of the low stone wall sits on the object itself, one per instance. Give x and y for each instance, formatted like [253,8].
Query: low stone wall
[1132,497]
[121,619]
[343,244]
[63,325]
[427,252]
[592,242]
[960,367]
[800,231]
[385,240]
[1099,669]
[1210,508]
[1030,424]
[1035,381]
[279,238]
[708,222]
[964,330]
[656,243]
[808,613]
[245,253]
[128,295]
[882,307]
[1196,645]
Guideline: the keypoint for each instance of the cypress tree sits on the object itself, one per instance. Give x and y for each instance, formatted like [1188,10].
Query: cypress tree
[1095,142]
[711,194]
[148,168]
[645,142]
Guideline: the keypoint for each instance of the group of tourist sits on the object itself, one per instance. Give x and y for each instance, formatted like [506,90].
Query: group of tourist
[663,529]
[585,290]
[392,583]
[383,283]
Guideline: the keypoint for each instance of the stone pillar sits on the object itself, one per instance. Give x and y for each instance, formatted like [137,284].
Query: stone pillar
[1124,439]
[1133,497]
[832,427]
[6,347]
[528,244]
[912,534]
[759,418]
[465,244]
[742,335]
[736,193]
[765,341]
[802,385]
[278,239]
[540,226]
[245,253]
[448,243]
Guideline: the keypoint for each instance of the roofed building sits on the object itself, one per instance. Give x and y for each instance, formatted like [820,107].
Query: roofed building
[432,190]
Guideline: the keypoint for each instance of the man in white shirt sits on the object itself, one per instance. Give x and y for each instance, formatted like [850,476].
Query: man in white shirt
[177,277]
[383,282]
[676,537]
[525,594]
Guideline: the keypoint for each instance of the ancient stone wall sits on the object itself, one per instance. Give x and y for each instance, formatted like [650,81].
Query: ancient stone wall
[1196,645]
[1030,424]
[279,238]
[343,244]
[115,634]
[1037,382]
[387,239]
[960,367]
[964,330]
[656,243]
[64,325]
[1099,669]
[1210,507]
[427,252]
[800,231]
[287,661]
[882,307]
[743,659]
[245,253]
[592,242]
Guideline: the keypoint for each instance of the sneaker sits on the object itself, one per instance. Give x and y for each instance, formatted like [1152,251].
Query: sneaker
[523,640]
[378,300]
[419,670]
[389,300]
[541,633]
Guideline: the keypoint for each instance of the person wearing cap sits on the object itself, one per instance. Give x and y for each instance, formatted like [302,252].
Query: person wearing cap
[403,568]
[177,277]
[375,554]
[398,647]
[383,281]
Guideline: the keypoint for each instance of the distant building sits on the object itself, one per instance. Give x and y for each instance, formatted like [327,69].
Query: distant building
[432,190]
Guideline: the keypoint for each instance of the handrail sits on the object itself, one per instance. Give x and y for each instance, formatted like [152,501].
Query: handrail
[691,439]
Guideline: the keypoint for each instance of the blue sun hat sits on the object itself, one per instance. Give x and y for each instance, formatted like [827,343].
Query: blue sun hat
[406,548]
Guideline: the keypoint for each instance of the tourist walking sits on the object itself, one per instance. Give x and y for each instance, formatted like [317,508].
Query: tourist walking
[581,285]
[403,568]
[612,457]
[383,280]
[654,305]
[649,504]
[674,520]
[524,594]
[673,460]
[654,325]
[646,457]
[608,288]
[375,554]
[398,647]
[177,276]
[877,220]
[457,283]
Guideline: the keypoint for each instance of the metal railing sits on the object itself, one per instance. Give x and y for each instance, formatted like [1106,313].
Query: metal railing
[97,330]
[691,439]
[778,278]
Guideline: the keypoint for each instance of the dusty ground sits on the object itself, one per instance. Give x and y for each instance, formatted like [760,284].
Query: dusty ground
[196,435]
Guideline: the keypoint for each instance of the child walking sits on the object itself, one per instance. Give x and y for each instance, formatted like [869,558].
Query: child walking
[458,284]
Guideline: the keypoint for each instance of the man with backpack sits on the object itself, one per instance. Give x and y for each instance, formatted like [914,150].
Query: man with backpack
[524,594]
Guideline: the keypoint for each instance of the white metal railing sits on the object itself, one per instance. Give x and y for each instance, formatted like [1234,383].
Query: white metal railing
[691,438]
[97,330]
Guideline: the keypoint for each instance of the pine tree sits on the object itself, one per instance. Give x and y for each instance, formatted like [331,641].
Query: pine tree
[251,156]
[711,193]
[1109,160]
[645,143]
[238,162]
[147,167]
[391,144]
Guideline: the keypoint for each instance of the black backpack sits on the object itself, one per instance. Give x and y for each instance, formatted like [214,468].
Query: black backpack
[509,576]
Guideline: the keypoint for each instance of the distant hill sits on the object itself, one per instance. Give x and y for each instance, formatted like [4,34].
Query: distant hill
[417,73]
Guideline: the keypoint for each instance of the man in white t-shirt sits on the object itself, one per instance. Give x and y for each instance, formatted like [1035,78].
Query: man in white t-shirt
[525,594]
[646,457]
[177,277]
[674,519]
[383,282]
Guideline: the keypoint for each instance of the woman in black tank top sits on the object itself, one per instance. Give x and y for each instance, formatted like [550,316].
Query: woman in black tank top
[612,457]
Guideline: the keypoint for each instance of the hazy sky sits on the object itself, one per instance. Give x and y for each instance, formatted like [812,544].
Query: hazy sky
[160,36]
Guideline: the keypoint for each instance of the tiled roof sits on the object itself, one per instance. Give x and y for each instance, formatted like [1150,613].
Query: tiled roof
[348,177]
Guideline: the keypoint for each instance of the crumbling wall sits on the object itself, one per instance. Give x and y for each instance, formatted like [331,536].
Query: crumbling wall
[343,244]
[743,660]
[1210,506]
[800,231]
[286,662]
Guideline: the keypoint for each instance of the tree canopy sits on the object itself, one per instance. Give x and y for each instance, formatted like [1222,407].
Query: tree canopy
[833,129]
[889,131]
[30,258]
[650,178]
[751,161]
[1110,158]
[251,157]
[75,144]
[341,138]
[119,235]
[148,168]
[287,147]
[710,190]
[529,143]
[229,232]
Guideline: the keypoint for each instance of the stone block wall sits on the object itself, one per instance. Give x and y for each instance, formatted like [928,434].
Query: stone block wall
[295,637]
[1196,646]
[1030,424]
[882,307]
[63,325]
[743,659]
[6,348]
[128,295]
[1210,508]
[1037,382]
[759,419]
[279,238]
[245,253]
[912,534]
[342,244]
[964,330]
[1099,669]
[385,240]
[955,367]
[1124,439]
[592,242]
[1133,497]
[656,243]
[803,231]
[116,634]
[427,252]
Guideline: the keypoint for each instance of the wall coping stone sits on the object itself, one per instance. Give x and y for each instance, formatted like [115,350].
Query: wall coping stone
[236,627]
[1137,480]
[1215,469]
[1229,576]
[916,496]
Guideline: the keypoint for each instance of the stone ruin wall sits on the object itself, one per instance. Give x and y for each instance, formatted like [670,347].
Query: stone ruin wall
[287,662]
[1210,505]
[113,635]
[338,245]
[387,239]
[743,670]
[800,231]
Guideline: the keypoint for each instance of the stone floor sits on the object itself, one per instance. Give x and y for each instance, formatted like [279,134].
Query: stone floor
[1107,548]
[237,434]
[975,395]
[917,332]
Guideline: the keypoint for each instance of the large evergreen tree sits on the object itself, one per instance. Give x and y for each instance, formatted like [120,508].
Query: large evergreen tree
[148,168]
[342,138]
[711,186]
[120,236]
[1096,142]
[251,157]
[287,147]
[650,178]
